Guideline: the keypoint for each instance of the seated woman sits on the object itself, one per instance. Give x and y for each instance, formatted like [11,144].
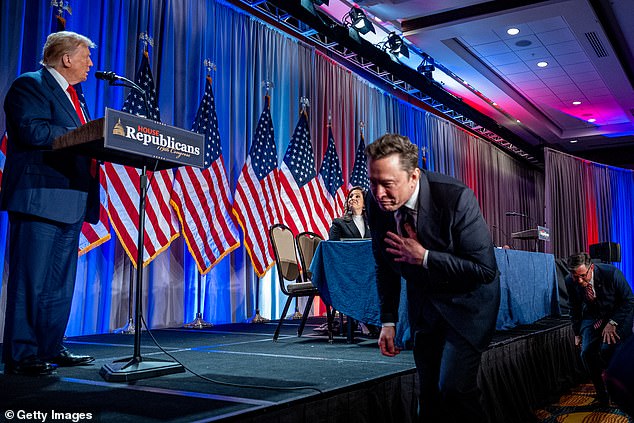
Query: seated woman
[354,222]
[352,225]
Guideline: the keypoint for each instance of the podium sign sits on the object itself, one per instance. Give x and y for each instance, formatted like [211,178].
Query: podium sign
[543,233]
[145,137]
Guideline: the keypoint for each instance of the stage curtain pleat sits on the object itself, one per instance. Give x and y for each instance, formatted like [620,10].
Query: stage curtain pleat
[589,202]
[520,376]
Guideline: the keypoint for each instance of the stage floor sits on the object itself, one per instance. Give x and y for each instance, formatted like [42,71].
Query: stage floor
[233,355]
[340,382]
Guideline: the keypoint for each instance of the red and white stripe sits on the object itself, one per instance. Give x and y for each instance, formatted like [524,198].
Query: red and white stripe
[93,235]
[304,207]
[161,222]
[201,199]
[256,206]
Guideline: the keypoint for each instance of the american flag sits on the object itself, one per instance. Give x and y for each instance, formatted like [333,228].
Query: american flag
[123,188]
[3,153]
[359,175]
[302,193]
[93,235]
[256,203]
[331,178]
[201,197]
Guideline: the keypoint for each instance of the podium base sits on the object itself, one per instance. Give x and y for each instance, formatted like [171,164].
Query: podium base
[198,323]
[136,368]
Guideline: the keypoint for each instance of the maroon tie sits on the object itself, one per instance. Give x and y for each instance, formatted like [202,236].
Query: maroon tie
[589,293]
[75,100]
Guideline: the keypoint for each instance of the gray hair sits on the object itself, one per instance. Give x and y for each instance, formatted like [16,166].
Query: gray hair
[60,43]
[390,144]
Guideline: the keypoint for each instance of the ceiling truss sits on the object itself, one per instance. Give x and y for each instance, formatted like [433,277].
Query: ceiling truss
[359,53]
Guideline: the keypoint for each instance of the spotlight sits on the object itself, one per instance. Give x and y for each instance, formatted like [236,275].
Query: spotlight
[427,66]
[356,18]
[396,45]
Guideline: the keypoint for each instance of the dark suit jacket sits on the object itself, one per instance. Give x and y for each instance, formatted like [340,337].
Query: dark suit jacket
[37,181]
[345,228]
[461,280]
[614,300]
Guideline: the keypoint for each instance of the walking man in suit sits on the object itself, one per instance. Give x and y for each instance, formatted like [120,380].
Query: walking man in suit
[48,195]
[428,228]
[602,311]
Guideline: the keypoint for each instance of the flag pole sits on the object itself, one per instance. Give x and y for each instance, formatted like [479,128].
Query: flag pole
[199,322]
[258,318]
[304,104]
[128,329]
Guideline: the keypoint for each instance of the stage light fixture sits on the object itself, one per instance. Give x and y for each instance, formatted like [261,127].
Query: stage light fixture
[356,18]
[427,66]
[396,45]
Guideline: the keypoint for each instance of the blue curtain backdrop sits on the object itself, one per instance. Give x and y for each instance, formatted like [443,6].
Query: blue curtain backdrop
[247,52]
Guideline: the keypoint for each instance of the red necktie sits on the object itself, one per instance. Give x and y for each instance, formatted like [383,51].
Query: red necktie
[80,115]
[75,100]
[590,296]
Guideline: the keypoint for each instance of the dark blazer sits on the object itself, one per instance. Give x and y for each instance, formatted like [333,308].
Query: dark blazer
[614,300]
[461,280]
[342,227]
[37,181]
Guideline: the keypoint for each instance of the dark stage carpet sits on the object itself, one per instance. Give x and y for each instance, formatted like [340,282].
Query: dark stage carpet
[321,382]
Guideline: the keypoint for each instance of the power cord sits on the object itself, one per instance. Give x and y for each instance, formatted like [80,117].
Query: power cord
[235,385]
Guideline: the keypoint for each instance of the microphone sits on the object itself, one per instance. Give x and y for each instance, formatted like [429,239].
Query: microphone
[107,76]
[120,81]
[513,213]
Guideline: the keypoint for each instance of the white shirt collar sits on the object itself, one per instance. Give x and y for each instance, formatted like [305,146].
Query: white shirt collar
[412,203]
[59,78]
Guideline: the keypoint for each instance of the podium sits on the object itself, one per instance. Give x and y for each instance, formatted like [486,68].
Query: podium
[138,142]
[540,233]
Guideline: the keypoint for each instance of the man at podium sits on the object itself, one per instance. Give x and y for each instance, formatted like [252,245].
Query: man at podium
[48,195]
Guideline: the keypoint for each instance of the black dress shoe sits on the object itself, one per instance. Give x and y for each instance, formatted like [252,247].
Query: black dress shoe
[31,366]
[68,359]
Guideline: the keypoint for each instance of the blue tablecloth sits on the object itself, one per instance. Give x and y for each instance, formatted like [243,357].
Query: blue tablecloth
[528,284]
[343,271]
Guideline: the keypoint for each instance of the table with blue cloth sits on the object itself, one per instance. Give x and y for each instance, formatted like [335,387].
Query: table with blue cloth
[528,284]
[344,273]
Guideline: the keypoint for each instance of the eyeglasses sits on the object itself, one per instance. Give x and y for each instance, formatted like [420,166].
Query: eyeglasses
[584,275]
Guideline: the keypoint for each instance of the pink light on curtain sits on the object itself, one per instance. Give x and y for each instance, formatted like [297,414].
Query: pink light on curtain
[592,221]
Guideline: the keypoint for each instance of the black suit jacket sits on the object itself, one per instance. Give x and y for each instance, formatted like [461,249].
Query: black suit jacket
[345,228]
[38,181]
[614,300]
[461,280]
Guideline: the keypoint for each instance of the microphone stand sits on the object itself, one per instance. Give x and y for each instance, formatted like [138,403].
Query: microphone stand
[125,82]
[138,367]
